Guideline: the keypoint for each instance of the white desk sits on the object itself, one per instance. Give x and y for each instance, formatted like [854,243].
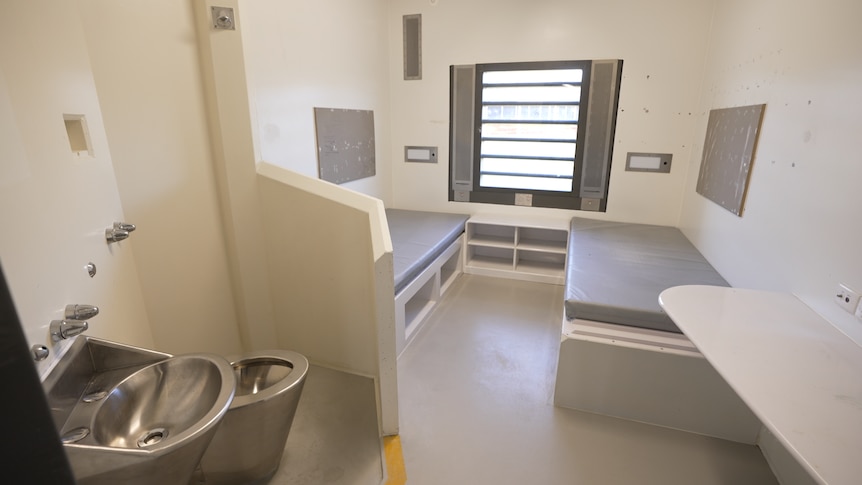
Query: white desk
[799,374]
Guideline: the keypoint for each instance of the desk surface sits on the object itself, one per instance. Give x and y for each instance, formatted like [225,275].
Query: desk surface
[798,373]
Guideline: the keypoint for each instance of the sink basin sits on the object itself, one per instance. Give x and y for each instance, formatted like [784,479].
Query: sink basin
[130,415]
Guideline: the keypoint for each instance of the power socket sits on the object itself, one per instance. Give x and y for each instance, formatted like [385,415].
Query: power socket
[859,310]
[846,298]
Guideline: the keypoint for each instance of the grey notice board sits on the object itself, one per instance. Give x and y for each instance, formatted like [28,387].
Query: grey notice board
[345,144]
[731,137]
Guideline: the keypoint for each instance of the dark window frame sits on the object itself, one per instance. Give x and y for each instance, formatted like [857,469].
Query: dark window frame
[582,104]
[539,198]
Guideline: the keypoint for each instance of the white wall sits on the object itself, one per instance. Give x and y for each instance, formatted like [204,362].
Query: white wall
[663,45]
[55,205]
[147,72]
[801,230]
[226,90]
[321,268]
[291,246]
[331,273]
[302,55]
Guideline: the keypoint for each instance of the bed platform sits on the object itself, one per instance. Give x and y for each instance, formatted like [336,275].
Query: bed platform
[426,259]
[620,353]
[617,270]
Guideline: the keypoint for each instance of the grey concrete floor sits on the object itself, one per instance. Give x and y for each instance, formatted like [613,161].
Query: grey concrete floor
[334,438]
[476,403]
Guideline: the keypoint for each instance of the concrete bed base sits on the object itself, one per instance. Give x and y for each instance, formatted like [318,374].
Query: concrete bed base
[648,376]
[420,296]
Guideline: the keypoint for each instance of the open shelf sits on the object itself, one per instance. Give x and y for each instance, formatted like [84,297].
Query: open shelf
[419,298]
[417,307]
[491,241]
[449,271]
[545,246]
[528,250]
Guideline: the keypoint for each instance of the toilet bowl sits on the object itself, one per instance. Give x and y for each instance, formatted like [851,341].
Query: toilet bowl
[249,442]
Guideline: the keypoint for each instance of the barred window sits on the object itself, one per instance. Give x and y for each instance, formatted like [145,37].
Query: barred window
[525,133]
[529,128]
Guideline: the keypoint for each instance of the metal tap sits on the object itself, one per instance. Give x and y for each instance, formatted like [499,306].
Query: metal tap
[74,321]
[81,312]
[63,329]
[119,231]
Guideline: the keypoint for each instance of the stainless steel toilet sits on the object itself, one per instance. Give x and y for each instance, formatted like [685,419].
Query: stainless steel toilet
[249,442]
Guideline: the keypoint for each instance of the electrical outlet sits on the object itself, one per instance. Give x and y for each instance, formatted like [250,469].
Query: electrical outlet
[859,310]
[846,298]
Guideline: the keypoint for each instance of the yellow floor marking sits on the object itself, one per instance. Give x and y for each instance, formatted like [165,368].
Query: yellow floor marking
[395,471]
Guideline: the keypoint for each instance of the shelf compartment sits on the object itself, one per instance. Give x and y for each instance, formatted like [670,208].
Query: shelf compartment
[540,269]
[547,240]
[419,305]
[527,258]
[450,269]
[491,235]
[543,246]
[527,249]
[491,258]
[492,241]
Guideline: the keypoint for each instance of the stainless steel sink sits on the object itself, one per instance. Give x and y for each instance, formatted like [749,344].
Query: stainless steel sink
[135,416]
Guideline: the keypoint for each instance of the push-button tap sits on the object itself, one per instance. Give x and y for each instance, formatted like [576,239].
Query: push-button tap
[74,323]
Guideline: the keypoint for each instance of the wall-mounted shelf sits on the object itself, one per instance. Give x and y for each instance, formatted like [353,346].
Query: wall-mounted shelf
[526,249]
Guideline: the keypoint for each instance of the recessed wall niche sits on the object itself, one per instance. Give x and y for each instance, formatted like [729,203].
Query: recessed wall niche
[79,135]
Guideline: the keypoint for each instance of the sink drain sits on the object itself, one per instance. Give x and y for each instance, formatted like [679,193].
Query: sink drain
[152,437]
[75,435]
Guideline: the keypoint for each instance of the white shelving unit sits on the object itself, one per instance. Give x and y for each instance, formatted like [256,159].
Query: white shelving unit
[527,249]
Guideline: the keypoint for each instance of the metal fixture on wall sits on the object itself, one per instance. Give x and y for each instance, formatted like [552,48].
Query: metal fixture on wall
[223,18]
[63,329]
[427,154]
[81,312]
[40,352]
[73,323]
[648,162]
[118,232]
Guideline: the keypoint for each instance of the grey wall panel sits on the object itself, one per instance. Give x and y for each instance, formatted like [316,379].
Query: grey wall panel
[728,151]
[345,144]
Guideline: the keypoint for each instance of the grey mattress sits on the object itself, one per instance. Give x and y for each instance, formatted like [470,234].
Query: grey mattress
[617,270]
[417,238]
